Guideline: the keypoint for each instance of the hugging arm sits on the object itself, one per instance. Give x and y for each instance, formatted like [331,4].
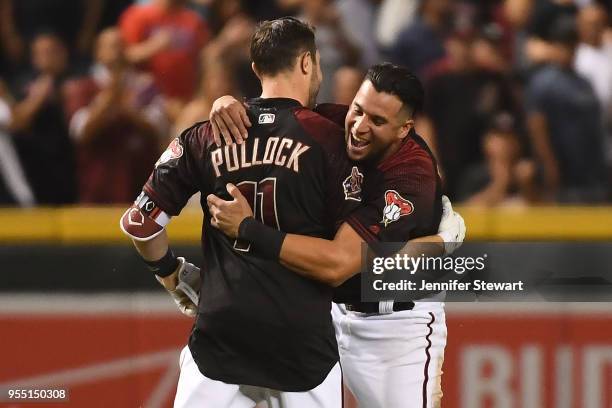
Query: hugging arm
[329,261]
[334,262]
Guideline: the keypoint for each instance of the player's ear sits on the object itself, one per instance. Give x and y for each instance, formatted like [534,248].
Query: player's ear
[255,70]
[406,127]
[305,61]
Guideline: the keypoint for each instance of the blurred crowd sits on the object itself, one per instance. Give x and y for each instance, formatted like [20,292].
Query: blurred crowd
[518,92]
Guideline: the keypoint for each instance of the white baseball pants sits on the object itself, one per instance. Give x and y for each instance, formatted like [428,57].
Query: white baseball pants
[196,390]
[393,360]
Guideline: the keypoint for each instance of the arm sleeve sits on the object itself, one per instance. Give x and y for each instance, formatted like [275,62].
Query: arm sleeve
[174,178]
[404,209]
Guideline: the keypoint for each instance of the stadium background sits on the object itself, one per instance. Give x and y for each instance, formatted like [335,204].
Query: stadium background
[78,135]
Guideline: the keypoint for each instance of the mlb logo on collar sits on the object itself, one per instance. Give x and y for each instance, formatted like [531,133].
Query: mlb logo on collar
[266,118]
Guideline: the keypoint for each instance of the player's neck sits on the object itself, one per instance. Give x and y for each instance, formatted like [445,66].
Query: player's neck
[391,150]
[283,88]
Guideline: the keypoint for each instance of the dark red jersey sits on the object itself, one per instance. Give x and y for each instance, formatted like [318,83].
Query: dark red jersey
[258,322]
[406,204]
[402,199]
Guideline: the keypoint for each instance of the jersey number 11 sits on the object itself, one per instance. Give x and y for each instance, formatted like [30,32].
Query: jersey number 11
[261,196]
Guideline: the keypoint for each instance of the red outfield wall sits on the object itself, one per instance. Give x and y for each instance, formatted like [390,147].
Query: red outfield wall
[115,351]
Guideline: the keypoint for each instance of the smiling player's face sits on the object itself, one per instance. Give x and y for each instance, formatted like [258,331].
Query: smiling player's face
[375,125]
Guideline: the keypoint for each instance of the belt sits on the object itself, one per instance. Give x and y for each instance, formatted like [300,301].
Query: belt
[378,307]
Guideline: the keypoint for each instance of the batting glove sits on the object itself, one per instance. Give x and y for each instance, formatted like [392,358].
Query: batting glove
[452,227]
[186,293]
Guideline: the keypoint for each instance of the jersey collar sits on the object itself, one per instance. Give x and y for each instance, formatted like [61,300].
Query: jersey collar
[279,103]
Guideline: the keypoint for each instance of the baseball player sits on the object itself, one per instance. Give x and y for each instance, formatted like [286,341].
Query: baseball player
[391,353]
[262,333]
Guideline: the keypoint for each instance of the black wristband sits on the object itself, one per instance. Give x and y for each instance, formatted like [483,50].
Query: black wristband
[267,241]
[164,266]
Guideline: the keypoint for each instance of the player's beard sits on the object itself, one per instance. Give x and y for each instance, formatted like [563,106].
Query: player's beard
[313,90]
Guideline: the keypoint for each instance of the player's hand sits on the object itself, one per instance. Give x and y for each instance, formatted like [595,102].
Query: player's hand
[229,120]
[183,285]
[452,227]
[227,215]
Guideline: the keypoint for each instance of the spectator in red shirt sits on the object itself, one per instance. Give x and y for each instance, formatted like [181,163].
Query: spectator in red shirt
[165,38]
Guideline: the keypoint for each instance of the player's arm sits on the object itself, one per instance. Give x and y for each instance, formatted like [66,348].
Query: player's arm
[329,261]
[230,121]
[336,261]
[333,262]
[164,195]
[180,278]
[154,250]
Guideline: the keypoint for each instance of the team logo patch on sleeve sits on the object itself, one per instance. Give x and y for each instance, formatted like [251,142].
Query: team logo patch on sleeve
[352,185]
[174,151]
[396,206]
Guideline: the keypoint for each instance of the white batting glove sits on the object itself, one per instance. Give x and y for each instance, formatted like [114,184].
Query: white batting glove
[452,227]
[187,290]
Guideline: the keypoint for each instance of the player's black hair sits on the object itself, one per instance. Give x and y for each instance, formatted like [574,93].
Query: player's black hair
[276,44]
[399,81]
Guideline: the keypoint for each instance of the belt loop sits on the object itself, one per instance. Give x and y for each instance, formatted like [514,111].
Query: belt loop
[385,307]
